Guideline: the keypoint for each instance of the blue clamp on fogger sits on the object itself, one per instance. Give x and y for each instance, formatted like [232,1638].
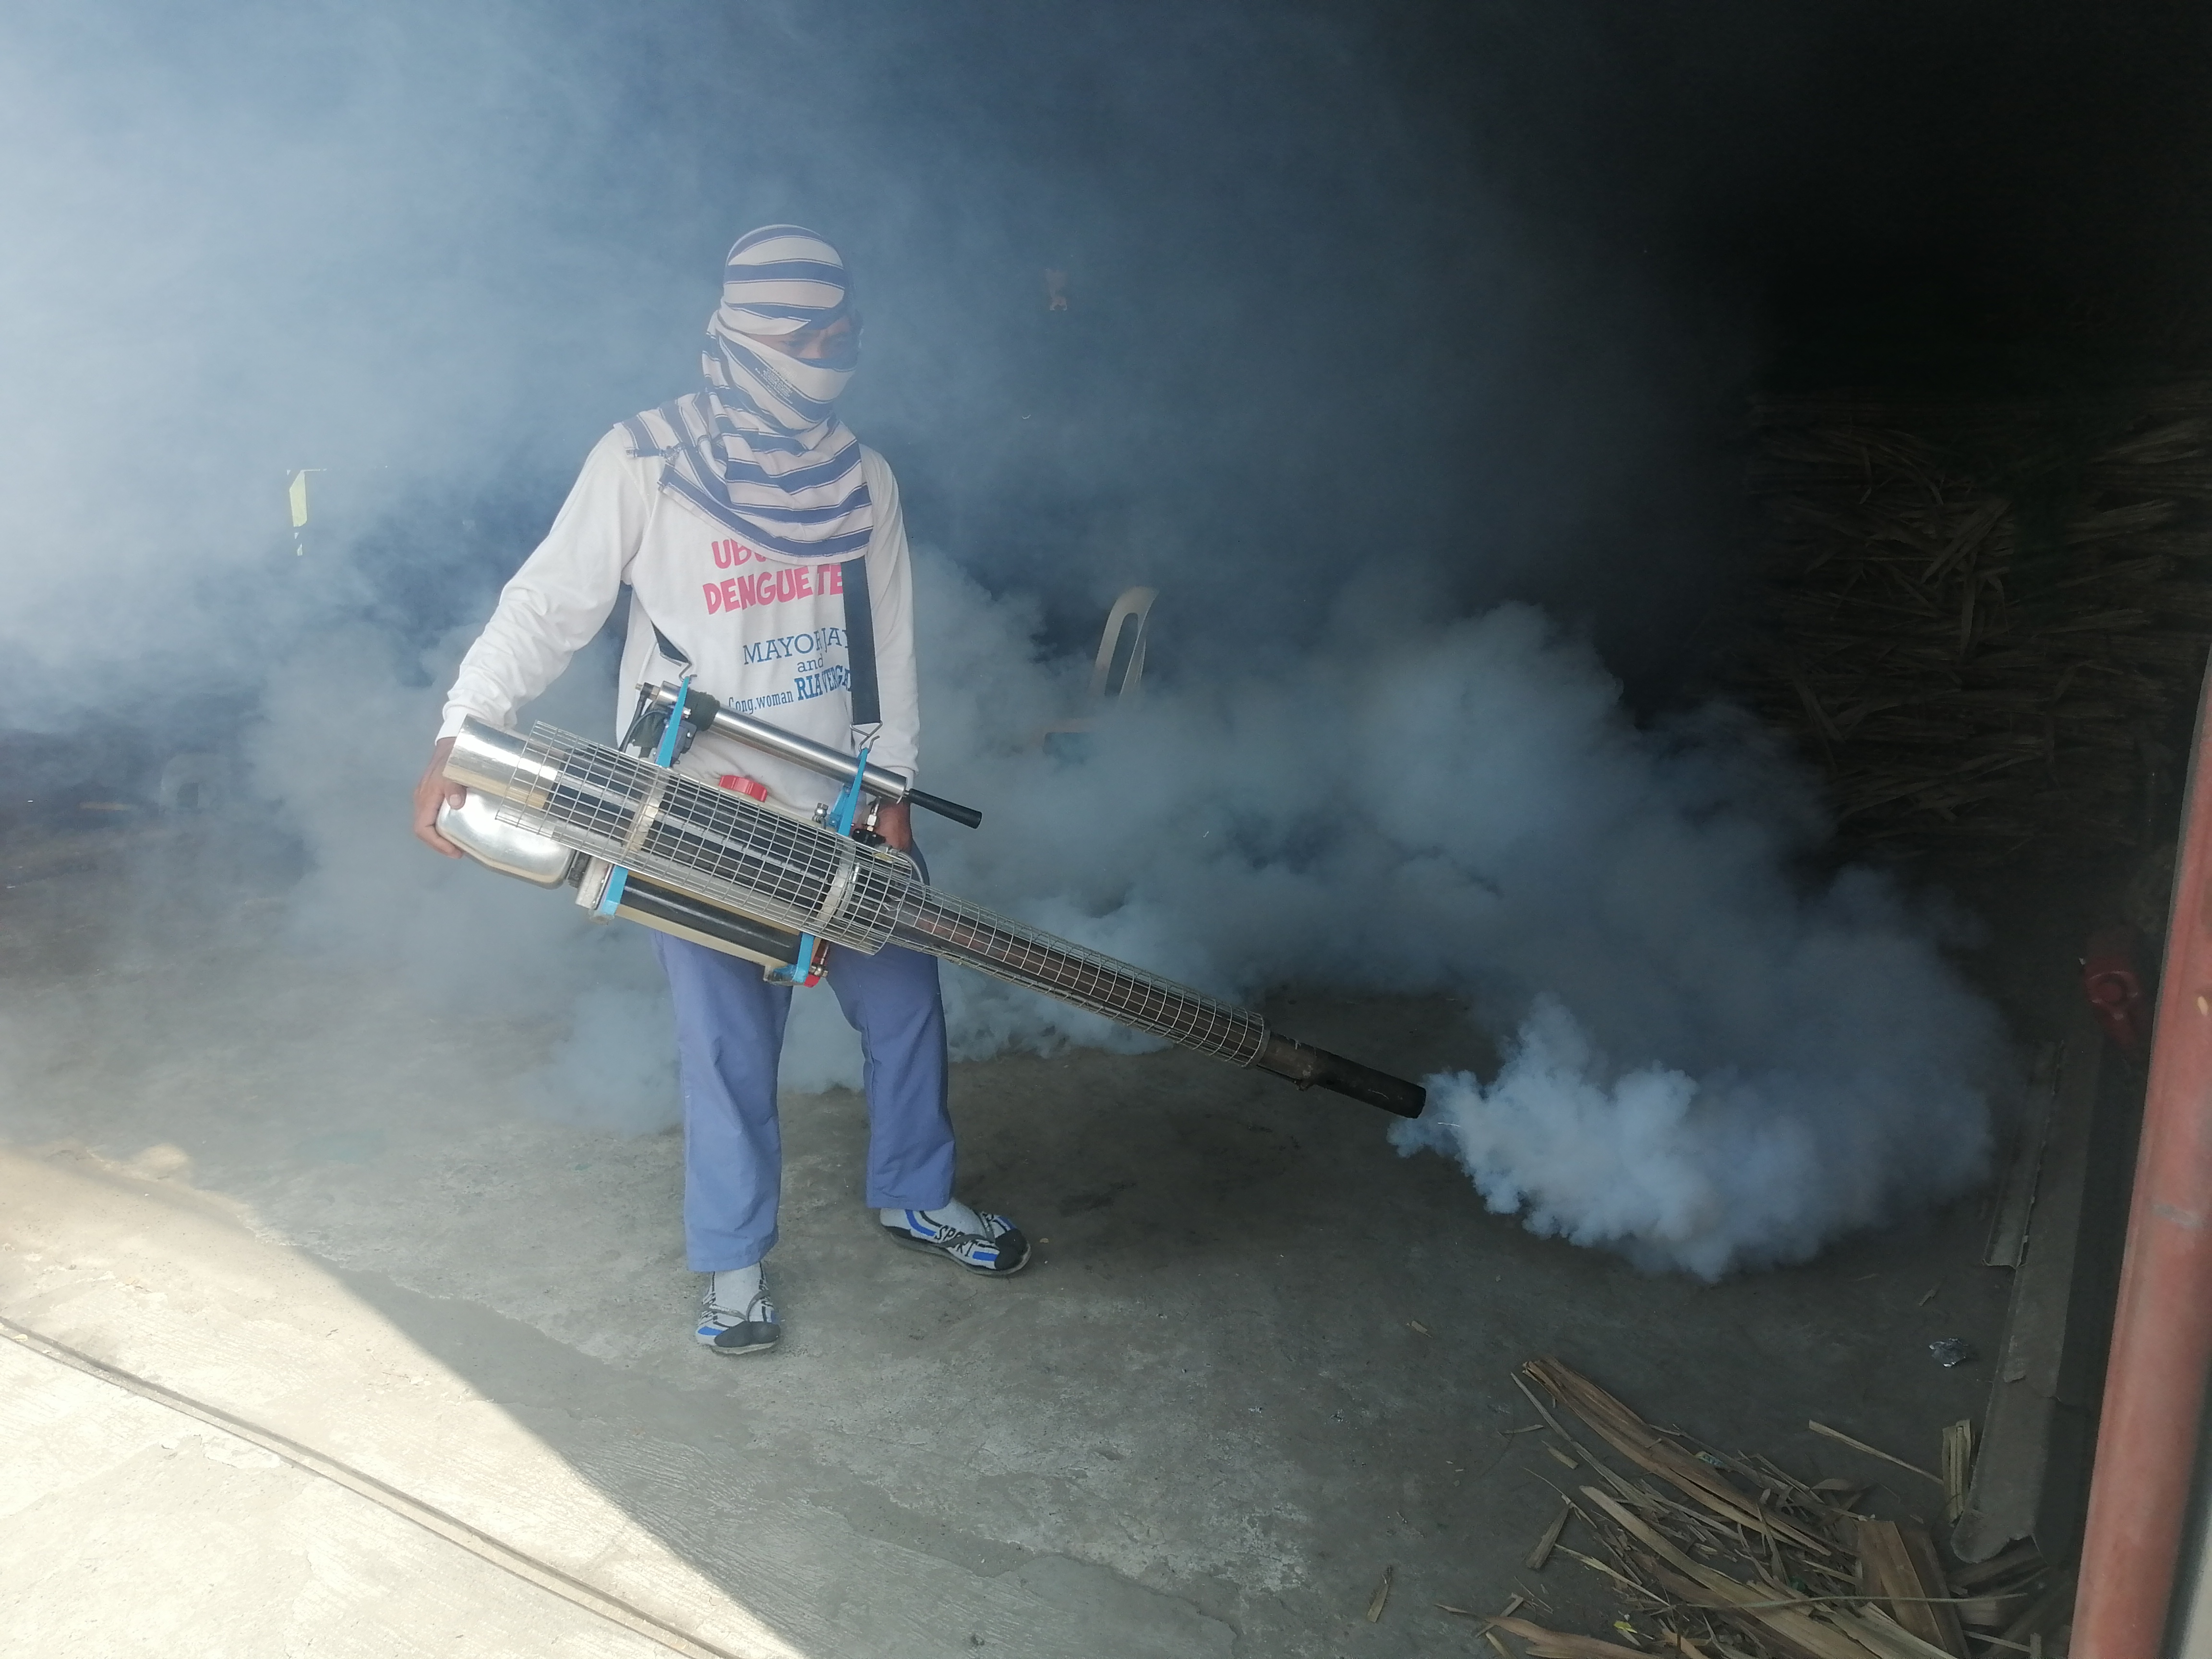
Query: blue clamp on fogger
[807,970]
[618,878]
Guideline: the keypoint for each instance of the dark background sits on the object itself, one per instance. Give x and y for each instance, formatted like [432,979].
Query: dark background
[1484,288]
[1478,291]
[1383,310]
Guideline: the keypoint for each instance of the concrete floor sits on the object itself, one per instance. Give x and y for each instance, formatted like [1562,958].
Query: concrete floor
[1204,1423]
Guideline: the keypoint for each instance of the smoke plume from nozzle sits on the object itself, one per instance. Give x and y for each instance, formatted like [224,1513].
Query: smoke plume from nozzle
[1713,1062]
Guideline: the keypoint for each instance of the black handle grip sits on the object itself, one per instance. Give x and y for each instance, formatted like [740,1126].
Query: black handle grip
[946,808]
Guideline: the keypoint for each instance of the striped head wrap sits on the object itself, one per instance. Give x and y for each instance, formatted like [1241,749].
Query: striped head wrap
[760,450]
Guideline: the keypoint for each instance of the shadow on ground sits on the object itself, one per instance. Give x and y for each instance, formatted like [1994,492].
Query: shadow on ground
[1261,1357]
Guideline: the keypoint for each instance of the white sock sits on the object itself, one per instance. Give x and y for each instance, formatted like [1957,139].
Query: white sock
[952,1213]
[735,1289]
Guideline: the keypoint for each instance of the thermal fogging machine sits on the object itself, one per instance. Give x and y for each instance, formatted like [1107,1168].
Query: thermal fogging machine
[639,841]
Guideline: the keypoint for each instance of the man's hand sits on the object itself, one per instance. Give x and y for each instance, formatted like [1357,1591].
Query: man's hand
[894,823]
[435,789]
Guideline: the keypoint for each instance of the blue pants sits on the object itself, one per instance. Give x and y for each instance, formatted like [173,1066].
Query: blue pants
[729,1035]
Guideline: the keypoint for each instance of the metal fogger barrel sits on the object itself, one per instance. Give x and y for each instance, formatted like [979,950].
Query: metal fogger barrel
[752,878]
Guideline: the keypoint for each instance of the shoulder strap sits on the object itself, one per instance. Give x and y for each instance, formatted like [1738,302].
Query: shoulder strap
[641,445]
[670,649]
[861,642]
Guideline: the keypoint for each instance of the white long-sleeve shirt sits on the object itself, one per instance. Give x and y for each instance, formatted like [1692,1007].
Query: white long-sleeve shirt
[765,632]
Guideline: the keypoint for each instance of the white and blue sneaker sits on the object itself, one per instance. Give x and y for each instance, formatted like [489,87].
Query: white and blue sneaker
[739,1318]
[982,1243]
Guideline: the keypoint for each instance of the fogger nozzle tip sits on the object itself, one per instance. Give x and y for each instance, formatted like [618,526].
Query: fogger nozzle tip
[1318,1068]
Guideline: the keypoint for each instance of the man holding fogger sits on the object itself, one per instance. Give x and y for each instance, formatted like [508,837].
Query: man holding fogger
[768,566]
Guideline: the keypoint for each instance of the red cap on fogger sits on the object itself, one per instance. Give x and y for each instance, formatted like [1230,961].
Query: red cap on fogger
[752,788]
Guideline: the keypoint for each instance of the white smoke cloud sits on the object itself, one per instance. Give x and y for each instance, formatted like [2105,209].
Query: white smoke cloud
[1713,1060]
[239,244]
[1716,1060]
[432,245]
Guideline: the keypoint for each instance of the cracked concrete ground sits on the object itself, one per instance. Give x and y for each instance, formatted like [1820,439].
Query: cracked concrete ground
[1261,1358]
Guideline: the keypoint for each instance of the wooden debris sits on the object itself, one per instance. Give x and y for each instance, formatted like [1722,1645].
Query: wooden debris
[1598,1566]
[1986,624]
[1927,1570]
[1841,1438]
[1553,1423]
[1550,1541]
[1634,1439]
[1381,1599]
[1903,1569]
[1512,1606]
[1491,1638]
[1958,1467]
[2022,1557]
[1729,1556]
[1795,1631]
[1874,1629]
[2045,1613]
[1558,1644]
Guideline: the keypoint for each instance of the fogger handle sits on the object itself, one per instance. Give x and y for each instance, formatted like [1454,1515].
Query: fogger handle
[706,714]
[943,808]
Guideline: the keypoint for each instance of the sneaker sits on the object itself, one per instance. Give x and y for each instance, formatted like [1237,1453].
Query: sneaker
[751,1330]
[982,1243]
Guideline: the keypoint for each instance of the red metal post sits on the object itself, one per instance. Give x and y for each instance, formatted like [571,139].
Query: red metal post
[2162,1334]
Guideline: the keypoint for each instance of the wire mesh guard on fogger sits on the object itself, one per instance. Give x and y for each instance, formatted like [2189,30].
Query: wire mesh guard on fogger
[643,841]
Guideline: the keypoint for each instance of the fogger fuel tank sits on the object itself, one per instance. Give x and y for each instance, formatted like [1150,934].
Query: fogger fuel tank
[753,879]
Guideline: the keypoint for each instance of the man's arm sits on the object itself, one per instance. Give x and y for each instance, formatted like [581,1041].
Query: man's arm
[547,613]
[896,744]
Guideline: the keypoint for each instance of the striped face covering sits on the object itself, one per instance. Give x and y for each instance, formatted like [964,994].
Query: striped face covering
[760,450]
